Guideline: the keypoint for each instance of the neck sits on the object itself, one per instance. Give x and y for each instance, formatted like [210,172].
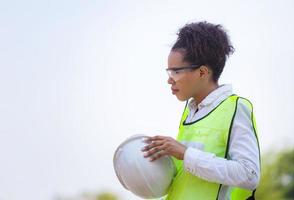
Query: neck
[205,92]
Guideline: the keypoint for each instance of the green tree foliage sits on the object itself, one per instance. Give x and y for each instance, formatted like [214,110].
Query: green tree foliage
[91,196]
[277,179]
[106,196]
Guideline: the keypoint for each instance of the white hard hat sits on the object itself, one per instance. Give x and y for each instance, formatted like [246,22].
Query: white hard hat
[143,178]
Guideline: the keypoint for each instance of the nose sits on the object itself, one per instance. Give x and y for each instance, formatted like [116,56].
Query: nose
[170,80]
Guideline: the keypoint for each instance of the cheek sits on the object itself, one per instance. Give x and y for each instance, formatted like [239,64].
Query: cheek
[186,89]
[194,84]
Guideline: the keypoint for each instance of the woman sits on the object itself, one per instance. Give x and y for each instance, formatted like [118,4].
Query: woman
[216,152]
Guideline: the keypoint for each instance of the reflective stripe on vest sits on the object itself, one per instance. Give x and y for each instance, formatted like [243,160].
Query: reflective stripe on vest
[211,133]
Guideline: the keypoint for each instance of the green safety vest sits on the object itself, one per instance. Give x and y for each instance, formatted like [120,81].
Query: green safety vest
[213,131]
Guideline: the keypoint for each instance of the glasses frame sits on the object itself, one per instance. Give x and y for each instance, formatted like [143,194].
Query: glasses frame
[192,67]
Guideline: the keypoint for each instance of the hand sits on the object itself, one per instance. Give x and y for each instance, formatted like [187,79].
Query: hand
[161,145]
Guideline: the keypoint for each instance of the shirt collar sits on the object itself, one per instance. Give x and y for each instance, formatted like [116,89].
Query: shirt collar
[222,90]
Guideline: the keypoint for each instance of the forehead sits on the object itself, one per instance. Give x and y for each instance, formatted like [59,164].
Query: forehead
[175,59]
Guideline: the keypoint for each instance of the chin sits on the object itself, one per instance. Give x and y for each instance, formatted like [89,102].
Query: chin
[181,98]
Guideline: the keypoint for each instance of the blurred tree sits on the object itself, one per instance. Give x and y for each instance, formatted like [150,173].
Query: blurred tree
[91,196]
[277,179]
[106,196]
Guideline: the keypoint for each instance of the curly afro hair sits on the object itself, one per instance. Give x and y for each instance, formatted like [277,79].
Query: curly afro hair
[206,44]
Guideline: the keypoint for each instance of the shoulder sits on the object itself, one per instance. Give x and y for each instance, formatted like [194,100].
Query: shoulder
[244,103]
[244,108]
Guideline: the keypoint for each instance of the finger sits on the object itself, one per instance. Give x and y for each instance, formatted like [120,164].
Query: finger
[157,156]
[152,145]
[157,137]
[154,151]
[146,139]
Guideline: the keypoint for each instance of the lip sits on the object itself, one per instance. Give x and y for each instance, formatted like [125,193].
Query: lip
[174,91]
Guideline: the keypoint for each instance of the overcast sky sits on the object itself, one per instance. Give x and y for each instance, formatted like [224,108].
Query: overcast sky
[79,77]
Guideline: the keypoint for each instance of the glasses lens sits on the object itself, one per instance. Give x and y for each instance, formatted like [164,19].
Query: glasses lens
[175,74]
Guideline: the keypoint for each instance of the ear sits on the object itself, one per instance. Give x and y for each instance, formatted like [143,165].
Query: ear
[204,71]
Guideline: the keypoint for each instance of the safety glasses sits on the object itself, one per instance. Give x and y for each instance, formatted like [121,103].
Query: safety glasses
[177,73]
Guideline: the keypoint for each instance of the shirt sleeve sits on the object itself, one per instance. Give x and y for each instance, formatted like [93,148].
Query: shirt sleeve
[242,168]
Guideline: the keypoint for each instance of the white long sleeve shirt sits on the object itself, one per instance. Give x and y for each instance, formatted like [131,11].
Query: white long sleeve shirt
[242,169]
